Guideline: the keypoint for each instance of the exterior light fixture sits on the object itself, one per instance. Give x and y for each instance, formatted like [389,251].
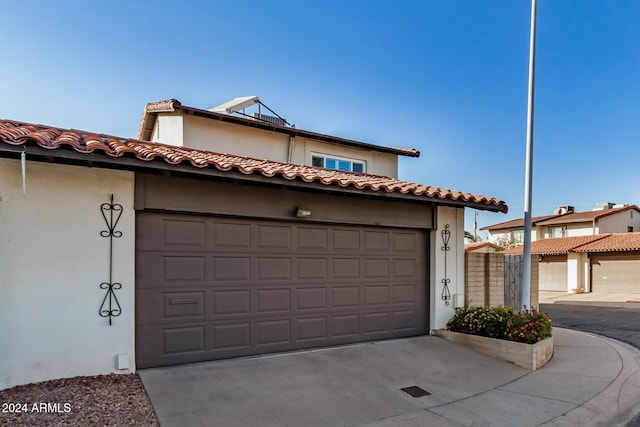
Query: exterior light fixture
[303,213]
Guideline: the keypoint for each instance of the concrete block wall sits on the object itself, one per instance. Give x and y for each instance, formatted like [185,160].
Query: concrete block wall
[484,279]
[484,276]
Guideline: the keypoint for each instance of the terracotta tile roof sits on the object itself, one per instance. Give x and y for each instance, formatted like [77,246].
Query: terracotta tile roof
[51,138]
[556,246]
[172,105]
[586,216]
[613,243]
[470,247]
[517,223]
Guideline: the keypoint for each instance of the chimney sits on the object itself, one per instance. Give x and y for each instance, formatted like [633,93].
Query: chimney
[603,206]
[561,210]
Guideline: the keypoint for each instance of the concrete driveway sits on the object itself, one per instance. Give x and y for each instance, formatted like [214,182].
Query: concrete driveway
[591,380]
[352,385]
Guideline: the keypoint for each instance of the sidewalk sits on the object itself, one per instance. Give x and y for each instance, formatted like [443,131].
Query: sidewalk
[591,381]
[551,297]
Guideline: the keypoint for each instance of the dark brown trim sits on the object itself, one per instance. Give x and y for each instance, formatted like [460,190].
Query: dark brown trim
[127,162]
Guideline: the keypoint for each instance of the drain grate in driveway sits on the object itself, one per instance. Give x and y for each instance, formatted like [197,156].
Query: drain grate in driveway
[415,391]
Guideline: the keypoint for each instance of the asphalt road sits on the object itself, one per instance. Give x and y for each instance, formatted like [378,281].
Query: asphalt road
[615,320]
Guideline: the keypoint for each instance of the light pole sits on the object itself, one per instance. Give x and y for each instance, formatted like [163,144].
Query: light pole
[526,261]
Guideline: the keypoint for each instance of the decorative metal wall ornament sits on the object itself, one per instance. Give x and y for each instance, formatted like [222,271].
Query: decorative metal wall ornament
[446,235]
[110,307]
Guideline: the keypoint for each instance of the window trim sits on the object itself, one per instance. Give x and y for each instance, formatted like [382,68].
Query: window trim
[351,161]
[563,228]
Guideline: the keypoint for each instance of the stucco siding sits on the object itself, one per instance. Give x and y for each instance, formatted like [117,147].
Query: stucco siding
[52,261]
[223,137]
[447,264]
[169,129]
[619,223]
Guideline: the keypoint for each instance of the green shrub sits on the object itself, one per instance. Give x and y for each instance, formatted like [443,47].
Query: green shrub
[529,326]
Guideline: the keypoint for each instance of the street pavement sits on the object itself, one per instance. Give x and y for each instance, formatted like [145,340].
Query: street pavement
[608,314]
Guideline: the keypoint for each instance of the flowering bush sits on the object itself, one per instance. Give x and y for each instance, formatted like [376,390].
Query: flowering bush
[528,326]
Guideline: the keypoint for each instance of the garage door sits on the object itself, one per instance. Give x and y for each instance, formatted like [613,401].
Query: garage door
[615,273]
[210,288]
[553,273]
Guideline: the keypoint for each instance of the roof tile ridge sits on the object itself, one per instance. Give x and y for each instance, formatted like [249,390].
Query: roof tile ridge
[601,237]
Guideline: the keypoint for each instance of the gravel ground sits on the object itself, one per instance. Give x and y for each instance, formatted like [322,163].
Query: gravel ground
[104,400]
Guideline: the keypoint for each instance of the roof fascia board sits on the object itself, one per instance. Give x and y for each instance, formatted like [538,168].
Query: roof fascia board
[96,159]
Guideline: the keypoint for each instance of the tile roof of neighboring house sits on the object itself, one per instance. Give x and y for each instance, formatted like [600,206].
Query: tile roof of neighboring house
[470,247]
[620,242]
[556,246]
[171,105]
[145,153]
[517,223]
[586,216]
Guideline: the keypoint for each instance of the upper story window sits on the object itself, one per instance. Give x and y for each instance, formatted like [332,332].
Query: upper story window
[517,236]
[558,231]
[337,163]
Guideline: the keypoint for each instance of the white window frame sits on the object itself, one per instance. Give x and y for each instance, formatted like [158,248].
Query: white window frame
[324,158]
[562,228]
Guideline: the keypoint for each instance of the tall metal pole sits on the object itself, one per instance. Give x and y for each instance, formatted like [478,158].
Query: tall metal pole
[526,266]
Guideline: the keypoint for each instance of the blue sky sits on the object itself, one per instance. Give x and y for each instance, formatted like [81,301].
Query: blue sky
[446,77]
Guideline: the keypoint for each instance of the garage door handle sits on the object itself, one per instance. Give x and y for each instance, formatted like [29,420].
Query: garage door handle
[176,301]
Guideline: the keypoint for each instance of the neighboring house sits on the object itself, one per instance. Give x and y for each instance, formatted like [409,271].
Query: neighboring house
[118,254]
[599,263]
[565,222]
[482,247]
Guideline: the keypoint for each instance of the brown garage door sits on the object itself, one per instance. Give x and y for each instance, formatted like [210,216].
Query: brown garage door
[210,288]
[553,273]
[615,273]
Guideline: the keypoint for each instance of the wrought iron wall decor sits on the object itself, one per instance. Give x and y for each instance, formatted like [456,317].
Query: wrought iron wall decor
[110,307]
[446,293]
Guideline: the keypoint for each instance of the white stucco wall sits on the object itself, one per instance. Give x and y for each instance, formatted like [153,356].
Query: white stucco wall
[221,137]
[577,272]
[52,261]
[169,129]
[440,311]
[618,223]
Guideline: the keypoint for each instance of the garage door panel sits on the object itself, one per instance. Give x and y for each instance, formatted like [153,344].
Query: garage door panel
[375,323]
[265,286]
[616,273]
[311,329]
[346,268]
[375,295]
[232,236]
[273,268]
[313,238]
[346,240]
[270,332]
[230,268]
[405,242]
[376,241]
[188,339]
[346,296]
[553,273]
[231,302]
[312,268]
[274,237]
[311,299]
[376,268]
[232,336]
[346,325]
[273,300]
[183,305]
